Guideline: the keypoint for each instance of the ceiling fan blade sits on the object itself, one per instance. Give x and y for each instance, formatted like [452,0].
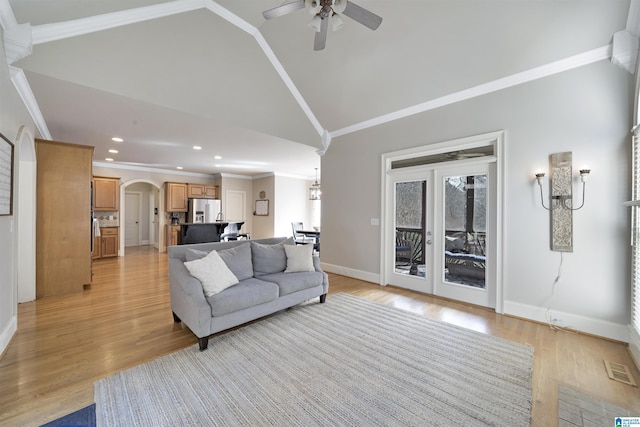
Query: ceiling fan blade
[362,15]
[321,36]
[283,9]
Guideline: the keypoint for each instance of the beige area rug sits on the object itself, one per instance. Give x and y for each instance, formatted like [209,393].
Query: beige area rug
[346,362]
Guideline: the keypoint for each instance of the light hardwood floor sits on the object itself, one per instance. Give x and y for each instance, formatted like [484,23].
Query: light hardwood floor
[65,343]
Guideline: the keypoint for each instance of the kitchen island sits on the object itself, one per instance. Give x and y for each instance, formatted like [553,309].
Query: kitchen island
[204,232]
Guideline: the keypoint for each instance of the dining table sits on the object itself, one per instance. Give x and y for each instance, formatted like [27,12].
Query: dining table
[312,233]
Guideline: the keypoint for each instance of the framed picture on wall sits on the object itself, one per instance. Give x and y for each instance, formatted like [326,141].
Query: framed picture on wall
[262,208]
[6,176]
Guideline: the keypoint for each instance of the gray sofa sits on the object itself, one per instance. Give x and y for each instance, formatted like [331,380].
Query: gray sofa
[264,287]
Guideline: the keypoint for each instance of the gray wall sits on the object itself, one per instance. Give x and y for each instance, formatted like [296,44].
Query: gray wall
[587,111]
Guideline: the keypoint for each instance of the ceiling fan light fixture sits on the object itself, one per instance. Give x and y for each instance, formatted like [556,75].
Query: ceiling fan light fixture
[313,6]
[315,23]
[337,22]
[339,6]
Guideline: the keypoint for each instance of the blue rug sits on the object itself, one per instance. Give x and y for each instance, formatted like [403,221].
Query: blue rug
[85,417]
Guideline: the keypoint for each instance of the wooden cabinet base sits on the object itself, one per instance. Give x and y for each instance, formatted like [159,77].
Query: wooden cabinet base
[107,244]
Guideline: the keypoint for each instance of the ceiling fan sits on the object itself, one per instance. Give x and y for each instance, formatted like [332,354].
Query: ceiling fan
[322,11]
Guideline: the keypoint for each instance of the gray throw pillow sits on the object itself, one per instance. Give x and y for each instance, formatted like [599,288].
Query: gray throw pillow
[268,259]
[238,259]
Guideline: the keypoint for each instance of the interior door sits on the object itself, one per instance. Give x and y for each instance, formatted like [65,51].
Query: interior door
[132,219]
[235,205]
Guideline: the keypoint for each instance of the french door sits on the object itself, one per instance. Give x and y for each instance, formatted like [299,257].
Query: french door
[440,230]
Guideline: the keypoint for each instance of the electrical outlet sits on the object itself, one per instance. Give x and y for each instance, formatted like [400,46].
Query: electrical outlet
[558,321]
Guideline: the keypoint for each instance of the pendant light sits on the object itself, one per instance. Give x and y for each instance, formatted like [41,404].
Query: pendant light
[314,190]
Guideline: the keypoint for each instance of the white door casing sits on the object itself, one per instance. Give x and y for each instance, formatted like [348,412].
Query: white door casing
[390,176]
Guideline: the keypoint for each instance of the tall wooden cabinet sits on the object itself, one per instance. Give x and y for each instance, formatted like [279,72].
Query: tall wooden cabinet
[63,213]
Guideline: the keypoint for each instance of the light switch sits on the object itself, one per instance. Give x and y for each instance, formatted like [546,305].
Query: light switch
[375,221]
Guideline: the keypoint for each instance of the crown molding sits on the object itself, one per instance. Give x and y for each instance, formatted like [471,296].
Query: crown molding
[21,84]
[111,165]
[523,77]
[17,42]
[7,18]
[61,30]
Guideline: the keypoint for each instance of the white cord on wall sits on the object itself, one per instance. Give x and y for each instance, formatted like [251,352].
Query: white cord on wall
[556,281]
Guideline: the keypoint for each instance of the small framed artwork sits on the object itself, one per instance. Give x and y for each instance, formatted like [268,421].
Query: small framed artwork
[6,176]
[262,208]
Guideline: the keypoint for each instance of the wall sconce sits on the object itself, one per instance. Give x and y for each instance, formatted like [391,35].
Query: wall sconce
[561,199]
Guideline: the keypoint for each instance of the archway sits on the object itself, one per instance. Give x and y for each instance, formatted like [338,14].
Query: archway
[158,220]
[25,215]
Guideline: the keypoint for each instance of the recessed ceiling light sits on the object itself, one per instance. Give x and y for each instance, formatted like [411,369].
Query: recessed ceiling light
[116,139]
[112,151]
[109,159]
[197,147]
[217,157]
[179,167]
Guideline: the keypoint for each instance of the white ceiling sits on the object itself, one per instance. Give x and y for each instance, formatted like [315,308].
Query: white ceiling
[194,78]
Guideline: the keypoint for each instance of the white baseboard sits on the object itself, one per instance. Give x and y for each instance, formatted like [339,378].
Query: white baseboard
[7,334]
[634,345]
[580,323]
[601,328]
[144,243]
[351,272]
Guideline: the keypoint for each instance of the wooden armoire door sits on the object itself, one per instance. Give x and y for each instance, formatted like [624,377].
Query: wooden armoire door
[63,212]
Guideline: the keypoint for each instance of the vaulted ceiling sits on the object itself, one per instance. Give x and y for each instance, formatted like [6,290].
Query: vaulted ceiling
[169,75]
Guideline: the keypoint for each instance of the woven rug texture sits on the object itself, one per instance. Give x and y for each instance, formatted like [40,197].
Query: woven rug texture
[346,362]
[576,408]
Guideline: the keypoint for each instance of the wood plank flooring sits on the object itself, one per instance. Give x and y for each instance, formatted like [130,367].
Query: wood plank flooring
[65,343]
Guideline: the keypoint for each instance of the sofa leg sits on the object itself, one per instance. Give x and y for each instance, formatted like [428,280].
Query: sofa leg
[176,319]
[204,343]
[323,298]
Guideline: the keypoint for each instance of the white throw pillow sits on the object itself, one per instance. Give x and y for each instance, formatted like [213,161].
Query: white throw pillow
[299,258]
[212,272]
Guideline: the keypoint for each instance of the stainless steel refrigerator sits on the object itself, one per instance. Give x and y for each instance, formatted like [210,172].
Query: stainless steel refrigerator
[204,210]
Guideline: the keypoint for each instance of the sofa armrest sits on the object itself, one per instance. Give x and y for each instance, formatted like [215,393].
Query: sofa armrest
[187,299]
[325,276]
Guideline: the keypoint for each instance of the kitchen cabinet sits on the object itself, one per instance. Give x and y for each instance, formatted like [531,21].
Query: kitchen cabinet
[63,217]
[106,194]
[97,253]
[202,191]
[173,235]
[176,197]
[109,242]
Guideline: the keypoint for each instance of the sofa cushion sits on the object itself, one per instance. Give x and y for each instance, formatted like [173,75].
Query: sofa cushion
[268,259]
[212,272]
[248,293]
[294,282]
[194,254]
[299,258]
[238,259]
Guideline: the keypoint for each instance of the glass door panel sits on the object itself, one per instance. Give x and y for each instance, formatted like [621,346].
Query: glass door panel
[465,229]
[410,228]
